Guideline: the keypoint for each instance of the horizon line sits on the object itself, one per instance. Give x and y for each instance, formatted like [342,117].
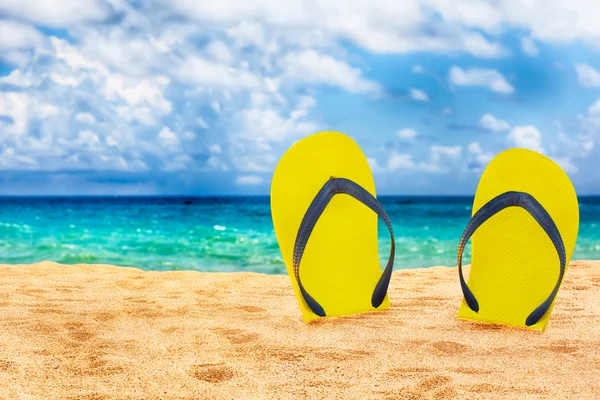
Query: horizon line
[198,196]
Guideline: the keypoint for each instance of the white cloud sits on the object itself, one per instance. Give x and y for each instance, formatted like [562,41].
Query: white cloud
[441,160]
[476,44]
[134,99]
[570,148]
[475,13]
[310,66]
[555,21]
[216,164]
[118,163]
[271,124]
[489,78]
[418,95]
[480,157]
[168,138]
[248,33]
[258,129]
[58,13]
[85,117]
[19,79]
[144,92]
[16,106]
[88,138]
[594,108]
[527,137]
[16,35]
[377,29]
[180,162]
[215,148]
[202,123]
[23,109]
[474,148]
[375,167]
[10,160]
[141,92]
[528,47]
[451,151]
[407,133]
[400,161]
[126,114]
[198,71]
[63,51]
[566,164]
[127,53]
[100,97]
[491,123]
[111,142]
[587,76]
[249,180]
[220,52]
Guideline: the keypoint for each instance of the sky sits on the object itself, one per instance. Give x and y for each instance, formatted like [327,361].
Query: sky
[165,97]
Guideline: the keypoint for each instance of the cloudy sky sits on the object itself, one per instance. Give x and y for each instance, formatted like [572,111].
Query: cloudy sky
[203,97]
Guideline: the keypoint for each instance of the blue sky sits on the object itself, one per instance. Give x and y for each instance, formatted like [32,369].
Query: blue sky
[197,97]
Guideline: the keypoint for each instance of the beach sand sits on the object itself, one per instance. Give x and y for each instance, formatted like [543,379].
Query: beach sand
[103,332]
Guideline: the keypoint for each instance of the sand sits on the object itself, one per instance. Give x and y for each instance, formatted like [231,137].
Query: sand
[103,332]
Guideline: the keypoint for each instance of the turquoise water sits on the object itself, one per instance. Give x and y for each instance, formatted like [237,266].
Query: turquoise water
[223,234]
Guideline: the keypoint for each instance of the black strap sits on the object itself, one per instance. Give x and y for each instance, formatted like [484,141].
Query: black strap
[537,211]
[331,188]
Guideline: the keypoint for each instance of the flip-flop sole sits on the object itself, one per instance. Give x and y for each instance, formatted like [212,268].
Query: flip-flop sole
[340,267]
[514,263]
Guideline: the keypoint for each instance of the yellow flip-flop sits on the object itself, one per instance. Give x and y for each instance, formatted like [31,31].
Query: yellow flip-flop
[325,212]
[524,227]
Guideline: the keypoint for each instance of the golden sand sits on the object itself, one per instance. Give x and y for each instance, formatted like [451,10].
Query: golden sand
[102,332]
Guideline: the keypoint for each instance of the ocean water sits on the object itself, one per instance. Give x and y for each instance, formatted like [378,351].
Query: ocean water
[223,234]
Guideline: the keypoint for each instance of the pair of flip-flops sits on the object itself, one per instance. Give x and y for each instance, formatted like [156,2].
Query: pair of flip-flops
[325,212]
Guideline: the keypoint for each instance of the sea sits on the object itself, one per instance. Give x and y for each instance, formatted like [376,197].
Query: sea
[223,233]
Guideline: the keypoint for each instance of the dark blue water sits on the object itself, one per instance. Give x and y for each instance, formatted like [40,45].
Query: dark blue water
[224,233]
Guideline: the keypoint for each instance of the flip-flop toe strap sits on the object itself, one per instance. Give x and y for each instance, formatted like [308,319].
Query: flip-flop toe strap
[539,213]
[331,188]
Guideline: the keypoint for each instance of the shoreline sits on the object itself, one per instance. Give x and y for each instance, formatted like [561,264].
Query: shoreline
[48,263]
[107,332]
[88,266]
